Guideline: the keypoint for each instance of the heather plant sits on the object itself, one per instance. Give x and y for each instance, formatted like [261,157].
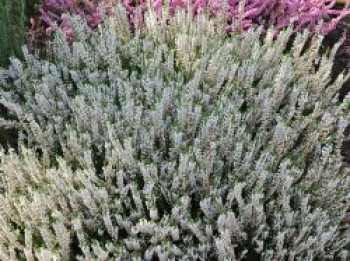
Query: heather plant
[53,13]
[278,13]
[240,15]
[174,142]
[13,18]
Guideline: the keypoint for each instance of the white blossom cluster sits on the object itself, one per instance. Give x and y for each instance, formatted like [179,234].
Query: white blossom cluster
[174,142]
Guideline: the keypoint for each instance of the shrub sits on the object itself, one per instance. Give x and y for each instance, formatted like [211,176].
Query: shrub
[175,142]
[277,13]
[54,13]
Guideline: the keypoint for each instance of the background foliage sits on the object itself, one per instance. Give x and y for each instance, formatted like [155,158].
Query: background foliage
[13,19]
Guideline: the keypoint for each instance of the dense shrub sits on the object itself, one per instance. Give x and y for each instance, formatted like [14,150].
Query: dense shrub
[54,13]
[278,13]
[177,141]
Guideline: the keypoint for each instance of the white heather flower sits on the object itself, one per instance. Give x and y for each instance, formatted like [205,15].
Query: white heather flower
[174,142]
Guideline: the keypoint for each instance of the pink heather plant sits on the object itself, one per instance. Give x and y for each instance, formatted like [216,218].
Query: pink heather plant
[241,15]
[279,13]
[55,12]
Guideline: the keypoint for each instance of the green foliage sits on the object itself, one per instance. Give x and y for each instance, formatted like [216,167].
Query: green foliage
[13,17]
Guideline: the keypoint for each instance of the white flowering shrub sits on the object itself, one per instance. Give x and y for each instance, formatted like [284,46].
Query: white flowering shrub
[174,142]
